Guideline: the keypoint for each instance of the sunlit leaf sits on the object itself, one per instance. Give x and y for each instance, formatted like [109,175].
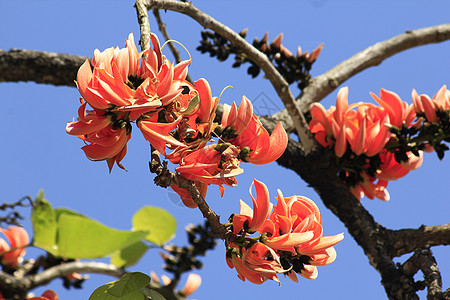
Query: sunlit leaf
[81,237]
[101,293]
[156,296]
[192,104]
[130,255]
[44,224]
[127,284]
[159,222]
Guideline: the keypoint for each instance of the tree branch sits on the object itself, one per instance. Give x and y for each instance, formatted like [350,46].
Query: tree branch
[279,83]
[408,240]
[324,84]
[73,267]
[39,66]
[424,260]
[144,23]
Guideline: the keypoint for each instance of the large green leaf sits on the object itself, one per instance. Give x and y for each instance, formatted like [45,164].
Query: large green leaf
[44,224]
[130,255]
[128,283]
[159,222]
[128,287]
[66,233]
[154,295]
[81,237]
[101,293]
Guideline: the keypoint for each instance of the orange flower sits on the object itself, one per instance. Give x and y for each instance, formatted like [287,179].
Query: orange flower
[235,261]
[370,189]
[365,129]
[247,131]
[291,238]
[296,225]
[210,166]
[424,105]
[158,134]
[118,81]
[254,218]
[108,139]
[193,282]
[17,238]
[257,264]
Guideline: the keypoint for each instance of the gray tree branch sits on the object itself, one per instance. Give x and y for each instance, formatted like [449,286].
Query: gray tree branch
[408,240]
[39,66]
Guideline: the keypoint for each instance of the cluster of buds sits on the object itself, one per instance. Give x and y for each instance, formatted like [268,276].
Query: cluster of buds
[292,68]
[128,86]
[179,260]
[289,238]
[12,255]
[375,144]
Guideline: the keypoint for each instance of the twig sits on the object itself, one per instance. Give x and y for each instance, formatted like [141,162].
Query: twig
[279,83]
[173,49]
[61,270]
[324,84]
[165,178]
[144,23]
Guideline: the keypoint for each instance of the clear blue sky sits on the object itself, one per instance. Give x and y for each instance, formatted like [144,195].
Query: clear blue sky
[37,153]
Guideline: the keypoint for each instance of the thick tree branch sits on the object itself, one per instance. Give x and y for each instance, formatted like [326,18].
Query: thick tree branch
[324,84]
[39,66]
[278,82]
[408,240]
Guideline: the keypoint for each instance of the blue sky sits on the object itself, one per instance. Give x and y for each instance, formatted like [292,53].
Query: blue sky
[37,153]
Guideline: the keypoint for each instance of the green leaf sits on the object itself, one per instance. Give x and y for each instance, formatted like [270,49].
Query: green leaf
[159,222]
[101,293]
[192,104]
[44,224]
[156,296]
[130,255]
[81,237]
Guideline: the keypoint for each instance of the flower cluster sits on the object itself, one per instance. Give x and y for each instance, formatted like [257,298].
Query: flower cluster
[290,238]
[128,86]
[12,254]
[363,137]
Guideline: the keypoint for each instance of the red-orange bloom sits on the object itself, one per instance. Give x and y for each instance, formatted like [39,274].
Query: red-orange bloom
[257,264]
[118,81]
[424,105]
[364,129]
[249,132]
[193,282]
[12,254]
[107,139]
[293,233]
